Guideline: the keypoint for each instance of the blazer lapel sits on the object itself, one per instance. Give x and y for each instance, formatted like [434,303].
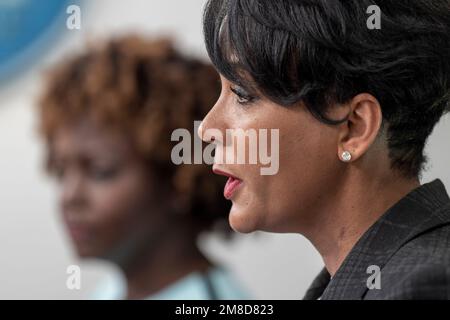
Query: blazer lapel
[414,214]
[318,286]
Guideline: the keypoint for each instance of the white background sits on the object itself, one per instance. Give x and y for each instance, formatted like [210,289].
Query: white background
[34,250]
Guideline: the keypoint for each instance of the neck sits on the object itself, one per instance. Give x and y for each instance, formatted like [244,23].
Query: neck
[159,266]
[357,204]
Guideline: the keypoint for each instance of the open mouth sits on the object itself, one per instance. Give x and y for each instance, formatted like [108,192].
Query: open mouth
[232,183]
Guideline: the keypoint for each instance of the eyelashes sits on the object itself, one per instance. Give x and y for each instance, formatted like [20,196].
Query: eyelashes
[242,96]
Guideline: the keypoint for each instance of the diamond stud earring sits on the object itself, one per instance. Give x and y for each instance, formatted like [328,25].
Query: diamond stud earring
[346,156]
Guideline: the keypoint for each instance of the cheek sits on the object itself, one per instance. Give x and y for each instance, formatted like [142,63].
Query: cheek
[307,164]
[304,154]
[114,200]
[307,157]
[119,207]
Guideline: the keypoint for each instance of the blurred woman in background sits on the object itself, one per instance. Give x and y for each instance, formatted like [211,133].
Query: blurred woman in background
[107,117]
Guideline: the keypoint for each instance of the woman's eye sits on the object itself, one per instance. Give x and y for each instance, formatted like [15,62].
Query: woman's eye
[242,96]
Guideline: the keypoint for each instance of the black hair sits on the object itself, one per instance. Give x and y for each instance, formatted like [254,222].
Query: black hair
[321,52]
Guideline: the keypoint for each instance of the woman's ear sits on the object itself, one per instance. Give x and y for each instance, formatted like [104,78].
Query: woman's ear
[361,129]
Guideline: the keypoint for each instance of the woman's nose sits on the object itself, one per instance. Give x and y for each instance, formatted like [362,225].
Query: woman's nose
[72,190]
[212,127]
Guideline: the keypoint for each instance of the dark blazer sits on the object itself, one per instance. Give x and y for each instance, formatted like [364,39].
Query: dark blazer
[410,244]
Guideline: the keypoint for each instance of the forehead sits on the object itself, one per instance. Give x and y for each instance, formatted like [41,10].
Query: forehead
[84,137]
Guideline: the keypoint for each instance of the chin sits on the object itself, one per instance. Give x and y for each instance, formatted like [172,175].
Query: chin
[85,252]
[243,221]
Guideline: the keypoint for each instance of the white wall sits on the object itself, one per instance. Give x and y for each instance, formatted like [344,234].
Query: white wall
[34,251]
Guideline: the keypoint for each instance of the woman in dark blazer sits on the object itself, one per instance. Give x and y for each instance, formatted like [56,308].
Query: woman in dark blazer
[354,103]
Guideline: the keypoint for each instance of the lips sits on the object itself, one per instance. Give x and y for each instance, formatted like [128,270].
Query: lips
[79,231]
[232,183]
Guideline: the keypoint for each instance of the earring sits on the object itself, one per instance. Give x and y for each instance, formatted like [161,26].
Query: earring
[346,156]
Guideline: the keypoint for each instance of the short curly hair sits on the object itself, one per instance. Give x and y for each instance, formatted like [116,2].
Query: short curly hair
[144,89]
[321,52]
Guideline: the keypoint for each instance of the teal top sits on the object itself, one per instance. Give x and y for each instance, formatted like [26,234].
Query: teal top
[216,284]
